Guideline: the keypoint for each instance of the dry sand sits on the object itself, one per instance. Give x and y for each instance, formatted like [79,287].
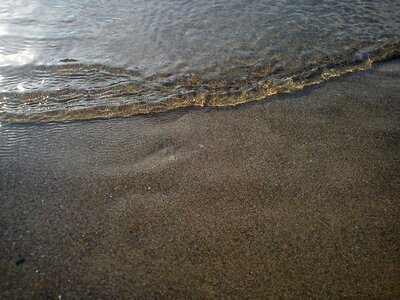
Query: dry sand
[296,196]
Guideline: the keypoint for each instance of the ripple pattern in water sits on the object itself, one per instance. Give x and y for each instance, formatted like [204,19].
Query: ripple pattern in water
[70,60]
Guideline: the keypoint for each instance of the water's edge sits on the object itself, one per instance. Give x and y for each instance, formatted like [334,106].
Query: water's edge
[129,93]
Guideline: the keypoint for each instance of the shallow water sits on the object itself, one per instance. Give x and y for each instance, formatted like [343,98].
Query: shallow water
[71,60]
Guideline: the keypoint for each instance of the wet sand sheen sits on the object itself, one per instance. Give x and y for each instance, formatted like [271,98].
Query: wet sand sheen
[293,197]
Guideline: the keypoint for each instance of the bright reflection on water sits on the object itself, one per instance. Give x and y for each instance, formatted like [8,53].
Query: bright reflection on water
[123,52]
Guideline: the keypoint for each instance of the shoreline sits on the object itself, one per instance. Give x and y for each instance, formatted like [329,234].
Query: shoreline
[190,95]
[295,196]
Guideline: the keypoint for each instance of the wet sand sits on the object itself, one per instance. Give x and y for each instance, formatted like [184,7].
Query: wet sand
[293,197]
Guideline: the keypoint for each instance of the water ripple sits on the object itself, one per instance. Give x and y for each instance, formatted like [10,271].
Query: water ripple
[97,59]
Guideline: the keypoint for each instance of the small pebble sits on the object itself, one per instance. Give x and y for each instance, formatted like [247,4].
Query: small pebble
[20,261]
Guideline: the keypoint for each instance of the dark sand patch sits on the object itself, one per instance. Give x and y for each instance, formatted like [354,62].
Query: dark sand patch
[295,197]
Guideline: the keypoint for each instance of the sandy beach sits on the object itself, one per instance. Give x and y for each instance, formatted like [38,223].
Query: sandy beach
[295,196]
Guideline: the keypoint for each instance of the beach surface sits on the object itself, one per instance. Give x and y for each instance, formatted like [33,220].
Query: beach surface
[295,196]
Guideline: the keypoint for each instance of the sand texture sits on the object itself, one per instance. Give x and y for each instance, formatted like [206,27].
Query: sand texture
[296,196]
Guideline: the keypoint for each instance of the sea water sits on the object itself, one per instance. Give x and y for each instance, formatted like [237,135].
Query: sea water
[88,59]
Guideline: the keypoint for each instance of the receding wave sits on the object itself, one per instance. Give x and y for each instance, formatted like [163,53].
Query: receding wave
[83,92]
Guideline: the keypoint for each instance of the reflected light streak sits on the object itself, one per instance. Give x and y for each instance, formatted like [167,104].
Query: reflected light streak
[23,57]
